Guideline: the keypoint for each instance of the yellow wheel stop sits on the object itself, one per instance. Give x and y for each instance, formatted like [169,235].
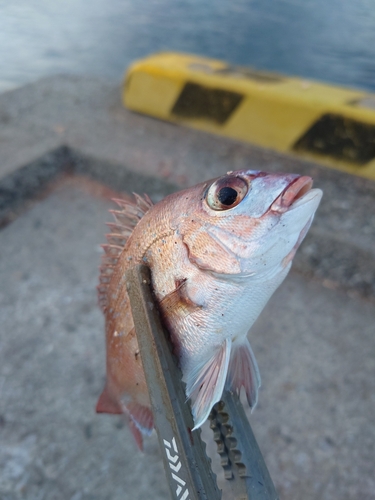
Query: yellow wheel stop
[328,124]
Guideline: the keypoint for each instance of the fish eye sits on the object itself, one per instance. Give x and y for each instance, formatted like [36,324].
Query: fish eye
[226,193]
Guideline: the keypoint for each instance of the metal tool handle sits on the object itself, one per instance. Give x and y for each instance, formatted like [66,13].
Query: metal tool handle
[241,458]
[185,461]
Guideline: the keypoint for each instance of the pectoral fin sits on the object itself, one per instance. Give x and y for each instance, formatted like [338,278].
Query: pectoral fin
[244,372]
[178,301]
[205,383]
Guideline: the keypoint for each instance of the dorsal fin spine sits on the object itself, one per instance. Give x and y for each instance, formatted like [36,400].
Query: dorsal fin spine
[116,239]
[108,261]
[119,228]
[112,250]
[125,221]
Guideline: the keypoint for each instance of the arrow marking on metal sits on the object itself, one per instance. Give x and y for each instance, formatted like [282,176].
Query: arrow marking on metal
[176,468]
[175,465]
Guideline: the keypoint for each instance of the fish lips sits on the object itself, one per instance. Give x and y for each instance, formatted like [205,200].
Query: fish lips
[305,206]
[293,192]
[299,214]
[298,199]
[311,199]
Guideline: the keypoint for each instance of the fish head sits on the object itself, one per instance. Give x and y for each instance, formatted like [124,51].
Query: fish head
[247,223]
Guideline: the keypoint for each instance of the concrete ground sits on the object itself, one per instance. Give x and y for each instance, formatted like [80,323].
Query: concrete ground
[314,341]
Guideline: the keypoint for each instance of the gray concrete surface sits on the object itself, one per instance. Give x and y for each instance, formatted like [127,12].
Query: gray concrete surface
[53,445]
[314,342]
[81,124]
[315,348]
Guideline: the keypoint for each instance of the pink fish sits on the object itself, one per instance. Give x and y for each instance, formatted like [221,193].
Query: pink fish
[217,252]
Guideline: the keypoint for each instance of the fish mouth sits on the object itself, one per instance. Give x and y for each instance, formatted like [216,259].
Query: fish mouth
[295,191]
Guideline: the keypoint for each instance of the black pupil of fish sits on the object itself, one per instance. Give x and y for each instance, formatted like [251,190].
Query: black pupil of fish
[227,196]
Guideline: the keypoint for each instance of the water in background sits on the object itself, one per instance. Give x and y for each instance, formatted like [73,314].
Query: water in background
[331,40]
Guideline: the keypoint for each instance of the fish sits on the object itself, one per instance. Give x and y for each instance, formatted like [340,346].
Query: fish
[217,252]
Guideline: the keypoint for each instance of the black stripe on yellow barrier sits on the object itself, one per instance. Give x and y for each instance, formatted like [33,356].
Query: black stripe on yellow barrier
[341,138]
[331,125]
[198,101]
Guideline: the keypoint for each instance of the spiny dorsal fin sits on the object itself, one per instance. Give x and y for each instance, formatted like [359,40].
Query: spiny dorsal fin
[130,213]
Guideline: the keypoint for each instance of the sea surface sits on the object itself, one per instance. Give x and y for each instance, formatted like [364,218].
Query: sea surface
[330,40]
